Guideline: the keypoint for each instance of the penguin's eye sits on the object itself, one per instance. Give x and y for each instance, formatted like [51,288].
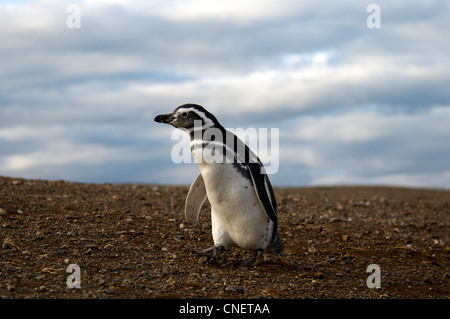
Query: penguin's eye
[184,114]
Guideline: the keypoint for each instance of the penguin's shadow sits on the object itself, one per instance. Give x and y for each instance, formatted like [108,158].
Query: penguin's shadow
[234,258]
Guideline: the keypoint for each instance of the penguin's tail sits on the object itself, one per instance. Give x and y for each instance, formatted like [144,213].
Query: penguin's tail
[276,246]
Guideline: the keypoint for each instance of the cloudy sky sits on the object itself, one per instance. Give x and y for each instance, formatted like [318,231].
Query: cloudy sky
[353,104]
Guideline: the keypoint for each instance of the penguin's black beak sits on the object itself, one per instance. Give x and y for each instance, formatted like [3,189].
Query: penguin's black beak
[164,118]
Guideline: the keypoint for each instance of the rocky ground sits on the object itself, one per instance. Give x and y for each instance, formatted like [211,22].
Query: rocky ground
[130,242]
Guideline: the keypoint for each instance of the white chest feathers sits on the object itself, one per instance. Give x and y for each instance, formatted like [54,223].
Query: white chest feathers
[238,219]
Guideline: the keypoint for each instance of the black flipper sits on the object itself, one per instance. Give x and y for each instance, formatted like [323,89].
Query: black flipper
[263,190]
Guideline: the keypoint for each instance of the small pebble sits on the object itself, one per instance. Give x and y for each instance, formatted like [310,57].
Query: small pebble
[202,259]
[10,287]
[111,291]
[91,246]
[429,280]
[234,289]
[319,275]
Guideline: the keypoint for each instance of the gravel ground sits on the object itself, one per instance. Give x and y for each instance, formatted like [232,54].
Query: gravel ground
[130,242]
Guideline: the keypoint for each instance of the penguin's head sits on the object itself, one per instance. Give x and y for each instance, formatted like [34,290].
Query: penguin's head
[188,116]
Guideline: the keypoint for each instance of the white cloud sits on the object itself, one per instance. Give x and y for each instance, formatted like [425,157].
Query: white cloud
[312,86]
[175,174]
[411,179]
[369,147]
[59,154]
[22,132]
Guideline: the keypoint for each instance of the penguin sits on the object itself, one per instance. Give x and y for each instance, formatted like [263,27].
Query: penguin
[232,177]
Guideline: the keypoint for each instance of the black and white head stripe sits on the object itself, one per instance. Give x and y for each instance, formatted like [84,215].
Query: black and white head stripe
[198,112]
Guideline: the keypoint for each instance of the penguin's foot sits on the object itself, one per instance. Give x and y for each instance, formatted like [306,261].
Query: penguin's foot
[212,252]
[255,260]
